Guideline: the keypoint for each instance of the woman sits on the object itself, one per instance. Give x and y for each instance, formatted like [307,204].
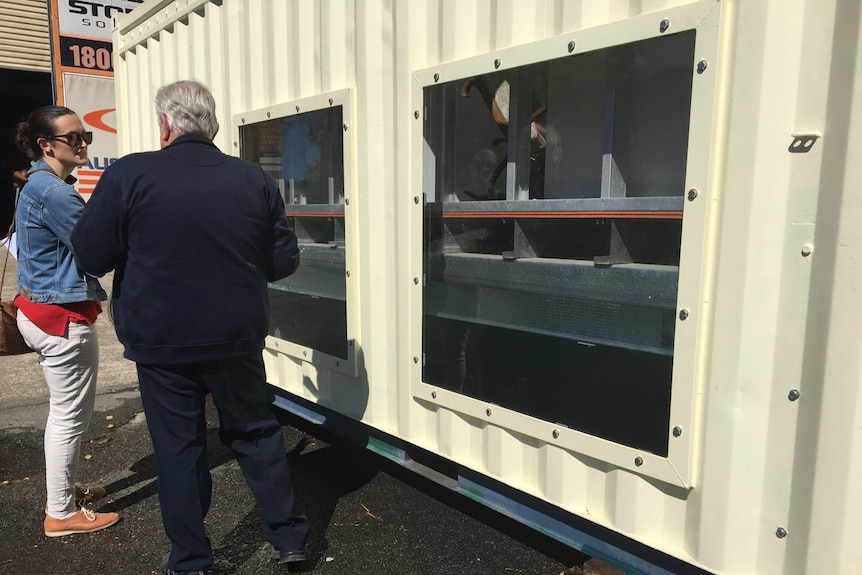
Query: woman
[57,307]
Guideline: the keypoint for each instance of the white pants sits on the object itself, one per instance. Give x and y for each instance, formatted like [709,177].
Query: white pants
[71,365]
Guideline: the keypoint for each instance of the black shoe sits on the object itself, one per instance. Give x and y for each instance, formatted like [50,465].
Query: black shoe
[297,556]
[165,570]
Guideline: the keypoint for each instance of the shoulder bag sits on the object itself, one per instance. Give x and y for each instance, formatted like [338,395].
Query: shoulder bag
[11,340]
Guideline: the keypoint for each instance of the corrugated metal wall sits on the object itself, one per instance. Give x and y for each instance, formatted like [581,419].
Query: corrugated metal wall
[24,39]
[777,480]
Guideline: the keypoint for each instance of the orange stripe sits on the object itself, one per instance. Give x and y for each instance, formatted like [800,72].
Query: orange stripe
[640,215]
[315,214]
[55,56]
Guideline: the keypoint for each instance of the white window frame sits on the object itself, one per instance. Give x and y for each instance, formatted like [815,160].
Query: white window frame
[693,320]
[345,99]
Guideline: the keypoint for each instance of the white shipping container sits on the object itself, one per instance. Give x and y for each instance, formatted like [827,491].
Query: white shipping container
[592,263]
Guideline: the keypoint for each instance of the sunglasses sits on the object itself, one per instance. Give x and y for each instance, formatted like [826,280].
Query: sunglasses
[74,139]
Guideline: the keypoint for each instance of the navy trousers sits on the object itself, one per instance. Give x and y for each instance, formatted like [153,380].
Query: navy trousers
[174,398]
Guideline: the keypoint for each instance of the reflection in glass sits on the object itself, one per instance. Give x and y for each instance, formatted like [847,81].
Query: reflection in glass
[304,153]
[553,221]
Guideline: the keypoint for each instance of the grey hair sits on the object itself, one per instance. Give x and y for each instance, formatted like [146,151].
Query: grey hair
[189,107]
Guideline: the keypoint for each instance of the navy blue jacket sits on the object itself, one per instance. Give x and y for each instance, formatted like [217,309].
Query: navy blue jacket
[193,236]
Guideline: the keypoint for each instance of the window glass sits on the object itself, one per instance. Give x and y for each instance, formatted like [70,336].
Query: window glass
[553,220]
[304,153]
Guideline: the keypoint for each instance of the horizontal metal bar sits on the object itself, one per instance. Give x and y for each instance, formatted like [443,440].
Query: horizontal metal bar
[320,273]
[631,306]
[630,284]
[669,204]
[598,323]
[314,210]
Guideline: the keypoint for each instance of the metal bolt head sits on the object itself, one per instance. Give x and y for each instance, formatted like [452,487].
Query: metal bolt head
[415,199]
[807,249]
[347,273]
[677,431]
[702,66]
[571,46]
[692,194]
[781,532]
[664,25]
[269,114]
[639,461]
[331,101]
[345,126]
[683,314]
[416,114]
[488,412]
[346,201]
[497,63]
[415,359]
[556,433]
[793,395]
[416,281]
[433,395]
[297,108]
[436,77]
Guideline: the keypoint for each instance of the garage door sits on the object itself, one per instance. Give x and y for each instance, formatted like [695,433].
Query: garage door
[24,39]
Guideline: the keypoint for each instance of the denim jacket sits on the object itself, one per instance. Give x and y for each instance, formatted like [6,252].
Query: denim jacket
[48,209]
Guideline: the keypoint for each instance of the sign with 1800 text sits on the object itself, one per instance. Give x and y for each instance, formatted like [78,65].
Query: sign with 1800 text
[83,41]
[84,75]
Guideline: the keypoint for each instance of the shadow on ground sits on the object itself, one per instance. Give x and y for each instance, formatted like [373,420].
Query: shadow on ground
[368,515]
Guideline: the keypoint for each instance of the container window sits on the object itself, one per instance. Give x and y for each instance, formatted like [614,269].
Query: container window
[304,153]
[552,229]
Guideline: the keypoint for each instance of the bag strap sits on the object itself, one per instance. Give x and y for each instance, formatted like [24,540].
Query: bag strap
[17,195]
[6,259]
[12,230]
[8,241]
[12,225]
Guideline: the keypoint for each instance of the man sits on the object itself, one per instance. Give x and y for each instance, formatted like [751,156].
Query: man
[194,235]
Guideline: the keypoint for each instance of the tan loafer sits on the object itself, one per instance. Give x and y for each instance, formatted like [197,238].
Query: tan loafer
[83,521]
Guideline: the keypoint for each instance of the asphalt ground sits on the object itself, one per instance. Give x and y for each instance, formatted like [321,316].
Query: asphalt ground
[368,515]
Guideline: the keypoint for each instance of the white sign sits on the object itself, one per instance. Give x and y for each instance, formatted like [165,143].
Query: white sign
[91,18]
[92,98]
[84,75]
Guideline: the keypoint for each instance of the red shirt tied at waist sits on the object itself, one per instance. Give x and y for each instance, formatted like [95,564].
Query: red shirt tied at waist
[54,318]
